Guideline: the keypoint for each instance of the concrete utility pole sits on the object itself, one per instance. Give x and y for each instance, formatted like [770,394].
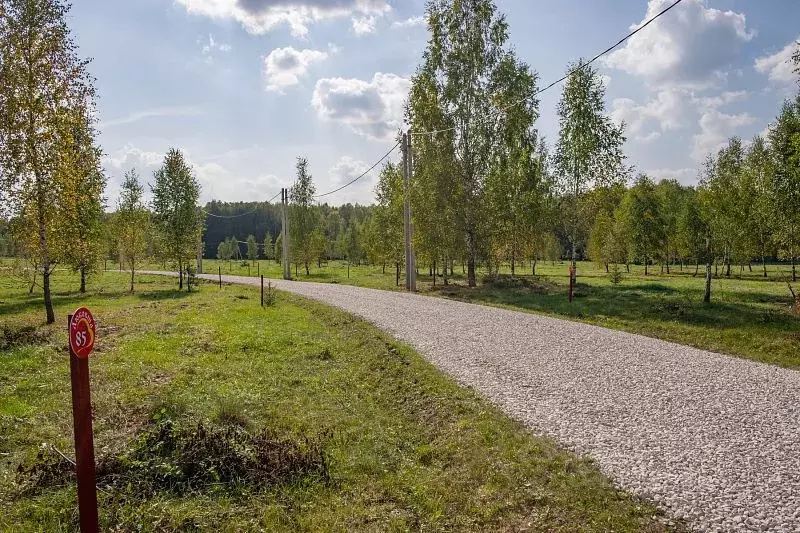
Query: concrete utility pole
[287,272]
[200,249]
[411,271]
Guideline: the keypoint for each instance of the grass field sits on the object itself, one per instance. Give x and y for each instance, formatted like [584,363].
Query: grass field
[750,316]
[338,426]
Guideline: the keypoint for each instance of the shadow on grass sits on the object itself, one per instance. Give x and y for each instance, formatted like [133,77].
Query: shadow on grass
[35,302]
[638,304]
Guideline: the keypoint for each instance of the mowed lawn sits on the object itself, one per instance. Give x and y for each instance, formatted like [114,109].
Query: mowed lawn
[749,315]
[339,427]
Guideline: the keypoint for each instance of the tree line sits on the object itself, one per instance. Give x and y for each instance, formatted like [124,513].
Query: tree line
[487,189]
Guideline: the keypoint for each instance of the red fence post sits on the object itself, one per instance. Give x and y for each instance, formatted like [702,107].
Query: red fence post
[84,440]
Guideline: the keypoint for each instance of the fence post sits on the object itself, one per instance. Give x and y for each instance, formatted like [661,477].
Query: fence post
[262,291]
[84,440]
[220,277]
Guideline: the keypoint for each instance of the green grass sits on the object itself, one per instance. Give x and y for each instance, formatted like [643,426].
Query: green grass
[750,316]
[407,448]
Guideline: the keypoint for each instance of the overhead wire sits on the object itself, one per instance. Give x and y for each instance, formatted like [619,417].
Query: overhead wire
[571,71]
[370,169]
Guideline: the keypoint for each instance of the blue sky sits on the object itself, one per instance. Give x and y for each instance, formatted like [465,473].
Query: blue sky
[245,86]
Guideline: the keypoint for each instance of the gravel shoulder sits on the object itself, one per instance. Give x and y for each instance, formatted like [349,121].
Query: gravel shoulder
[711,438]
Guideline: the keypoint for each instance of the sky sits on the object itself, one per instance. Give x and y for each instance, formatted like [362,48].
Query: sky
[244,87]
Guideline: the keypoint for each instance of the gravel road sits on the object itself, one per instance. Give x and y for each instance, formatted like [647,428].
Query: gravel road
[712,439]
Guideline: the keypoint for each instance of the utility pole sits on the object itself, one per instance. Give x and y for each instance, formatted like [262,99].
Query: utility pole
[287,273]
[411,273]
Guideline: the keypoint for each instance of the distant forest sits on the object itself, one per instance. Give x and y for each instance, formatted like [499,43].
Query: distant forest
[262,219]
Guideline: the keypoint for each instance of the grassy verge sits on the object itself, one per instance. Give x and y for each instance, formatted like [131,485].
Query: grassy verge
[750,316]
[373,437]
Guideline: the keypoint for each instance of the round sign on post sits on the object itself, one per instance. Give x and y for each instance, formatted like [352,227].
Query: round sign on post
[82,333]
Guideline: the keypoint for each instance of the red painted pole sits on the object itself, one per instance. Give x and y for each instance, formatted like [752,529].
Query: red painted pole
[84,441]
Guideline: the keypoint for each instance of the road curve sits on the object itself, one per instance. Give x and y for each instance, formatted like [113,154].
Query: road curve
[711,438]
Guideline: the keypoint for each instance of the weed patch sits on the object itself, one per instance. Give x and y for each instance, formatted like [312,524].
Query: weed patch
[12,336]
[190,458]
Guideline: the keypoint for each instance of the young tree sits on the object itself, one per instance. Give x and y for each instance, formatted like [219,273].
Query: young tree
[279,248]
[642,219]
[785,148]
[224,250]
[82,188]
[252,248]
[387,219]
[303,217]
[692,230]
[268,250]
[589,148]
[601,240]
[175,212]
[473,78]
[132,221]
[46,91]
[670,195]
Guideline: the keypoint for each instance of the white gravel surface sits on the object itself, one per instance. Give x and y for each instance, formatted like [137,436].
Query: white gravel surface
[711,438]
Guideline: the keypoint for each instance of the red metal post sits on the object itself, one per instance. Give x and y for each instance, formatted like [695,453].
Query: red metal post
[84,441]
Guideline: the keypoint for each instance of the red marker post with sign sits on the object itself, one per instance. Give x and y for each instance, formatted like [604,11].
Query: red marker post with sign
[82,332]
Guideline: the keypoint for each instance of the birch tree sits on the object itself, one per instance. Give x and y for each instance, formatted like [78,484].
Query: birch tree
[468,60]
[252,248]
[175,212]
[45,86]
[132,222]
[303,217]
[589,147]
[83,183]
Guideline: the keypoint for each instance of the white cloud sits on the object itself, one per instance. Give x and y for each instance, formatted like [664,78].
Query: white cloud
[284,67]
[668,109]
[261,16]
[779,66]
[686,176]
[178,111]
[218,180]
[715,128]
[363,25]
[724,98]
[690,46]
[345,170]
[410,22]
[373,108]
[212,45]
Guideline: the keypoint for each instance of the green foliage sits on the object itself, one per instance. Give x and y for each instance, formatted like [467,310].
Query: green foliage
[784,140]
[268,249]
[49,169]
[176,216]
[615,275]
[304,218]
[252,248]
[641,220]
[131,223]
[589,148]
[468,81]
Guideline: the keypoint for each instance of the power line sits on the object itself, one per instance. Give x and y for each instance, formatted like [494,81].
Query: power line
[571,71]
[370,169]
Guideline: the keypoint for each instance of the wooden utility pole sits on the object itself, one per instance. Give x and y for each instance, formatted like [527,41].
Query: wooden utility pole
[411,277]
[287,272]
